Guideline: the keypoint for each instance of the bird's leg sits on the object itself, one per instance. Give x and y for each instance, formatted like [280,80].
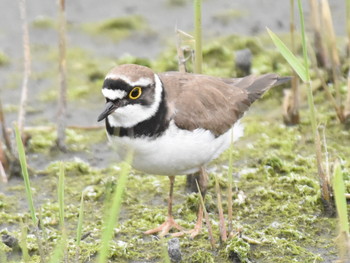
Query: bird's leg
[169,222]
[202,178]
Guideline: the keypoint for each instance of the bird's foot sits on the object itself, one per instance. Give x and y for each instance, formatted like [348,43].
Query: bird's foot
[164,228]
[193,232]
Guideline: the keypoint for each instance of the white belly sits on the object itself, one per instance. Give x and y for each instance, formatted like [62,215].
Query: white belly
[176,152]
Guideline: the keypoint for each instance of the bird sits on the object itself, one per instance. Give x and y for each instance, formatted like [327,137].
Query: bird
[175,123]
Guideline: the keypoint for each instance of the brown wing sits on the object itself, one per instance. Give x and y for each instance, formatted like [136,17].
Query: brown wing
[211,103]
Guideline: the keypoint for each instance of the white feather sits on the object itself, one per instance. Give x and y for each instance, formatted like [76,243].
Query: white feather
[177,151]
[132,114]
[140,82]
[113,94]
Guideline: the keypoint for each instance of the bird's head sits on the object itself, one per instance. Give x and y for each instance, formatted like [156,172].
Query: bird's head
[133,94]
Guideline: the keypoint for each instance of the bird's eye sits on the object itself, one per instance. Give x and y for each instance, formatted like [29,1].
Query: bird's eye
[135,93]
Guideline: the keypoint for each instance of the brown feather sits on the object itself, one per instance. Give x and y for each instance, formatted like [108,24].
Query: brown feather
[211,103]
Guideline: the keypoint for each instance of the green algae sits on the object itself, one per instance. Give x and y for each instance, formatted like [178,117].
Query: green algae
[281,209]
[117,28]
[277,196]
[44,22]
[225,17]
[238,250]
[44,140]
[85,74]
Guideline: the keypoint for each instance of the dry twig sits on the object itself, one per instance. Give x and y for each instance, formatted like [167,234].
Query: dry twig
[291,98]
[222,225]
[27,67]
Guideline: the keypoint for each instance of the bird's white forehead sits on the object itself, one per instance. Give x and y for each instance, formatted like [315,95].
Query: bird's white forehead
[113,94]
[139,82]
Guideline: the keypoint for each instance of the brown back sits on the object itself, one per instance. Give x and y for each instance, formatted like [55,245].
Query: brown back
[211,103]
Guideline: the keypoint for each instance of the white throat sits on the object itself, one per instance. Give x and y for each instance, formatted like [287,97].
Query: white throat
[132,114]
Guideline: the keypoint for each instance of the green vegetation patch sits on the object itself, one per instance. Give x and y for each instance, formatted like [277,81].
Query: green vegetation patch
[226,16]
[44,22]
[76,139]
[117,28]
[4,60]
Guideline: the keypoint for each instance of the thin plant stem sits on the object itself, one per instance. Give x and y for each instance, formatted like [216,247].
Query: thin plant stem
[324,181]
[222,225]
[3,176]
[180,54]
[25,174]
[293,114]
[80,219]
[44,233]
[4,132]
[206,216]
[27,66]
[23,242]
[198,36]
[62,101]
[29,195]
[319,43]
[230,185]
[347,103]
[343,218]
[59,252]
[332,44]
[80,226]
[348,23]
[339,194]
[325,86]
[112,214]
[61,194]
[165,255]
[325,150]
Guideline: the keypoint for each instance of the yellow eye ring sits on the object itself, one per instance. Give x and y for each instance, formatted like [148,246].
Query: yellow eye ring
[135,93]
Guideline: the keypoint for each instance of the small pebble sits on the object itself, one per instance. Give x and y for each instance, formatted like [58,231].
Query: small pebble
[10,241]
[243,61]
[174,251]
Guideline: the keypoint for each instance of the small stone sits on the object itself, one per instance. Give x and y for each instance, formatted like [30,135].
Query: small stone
[10,241]
[174,251]
[243,62]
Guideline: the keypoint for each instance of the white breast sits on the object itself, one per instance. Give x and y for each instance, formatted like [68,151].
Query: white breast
[177,151]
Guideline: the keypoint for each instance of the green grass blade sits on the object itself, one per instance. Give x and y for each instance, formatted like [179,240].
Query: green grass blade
[61,194]
[198,36]
[165,255]
[303,37]
[79,227]
[230,184]
[80,219]
[289,56]
[348,21]
[58,252]
[206,216]
[111,218]
[23,162]
[340,201]
[23,243]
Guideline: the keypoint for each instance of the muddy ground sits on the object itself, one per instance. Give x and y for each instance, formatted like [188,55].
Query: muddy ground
[277,198]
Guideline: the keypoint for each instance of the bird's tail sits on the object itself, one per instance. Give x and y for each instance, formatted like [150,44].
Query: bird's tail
[258,85]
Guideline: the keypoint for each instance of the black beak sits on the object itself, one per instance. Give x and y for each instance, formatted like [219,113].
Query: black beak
[109,108]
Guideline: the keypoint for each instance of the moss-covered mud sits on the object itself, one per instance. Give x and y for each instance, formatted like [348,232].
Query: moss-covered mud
[278,214]
[276,199]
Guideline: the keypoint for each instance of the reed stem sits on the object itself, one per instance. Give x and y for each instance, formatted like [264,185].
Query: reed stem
[198,36]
